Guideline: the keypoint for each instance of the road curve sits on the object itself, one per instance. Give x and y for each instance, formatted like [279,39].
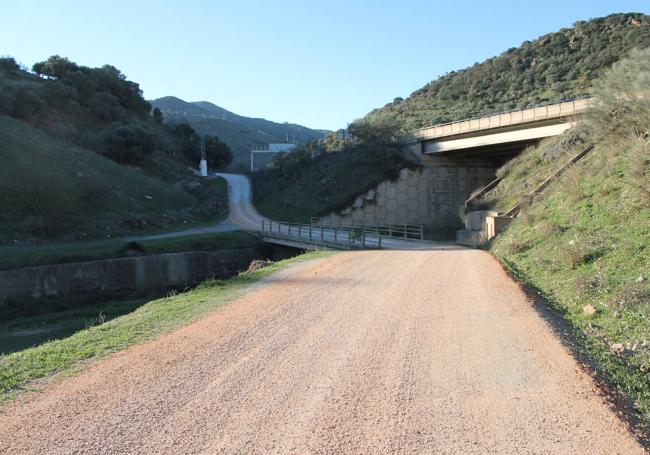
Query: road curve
[362,352]
[242,213]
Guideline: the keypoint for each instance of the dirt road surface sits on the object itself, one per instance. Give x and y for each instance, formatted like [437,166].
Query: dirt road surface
[362,352]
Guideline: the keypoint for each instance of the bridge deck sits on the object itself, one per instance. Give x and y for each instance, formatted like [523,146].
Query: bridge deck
[522,117]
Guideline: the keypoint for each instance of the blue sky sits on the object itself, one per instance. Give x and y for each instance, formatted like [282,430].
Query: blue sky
[318,63]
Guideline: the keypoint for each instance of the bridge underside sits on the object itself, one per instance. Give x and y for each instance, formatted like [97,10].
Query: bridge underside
[485,145]
[452,168]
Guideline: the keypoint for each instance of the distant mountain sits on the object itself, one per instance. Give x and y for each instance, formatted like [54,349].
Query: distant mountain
[239,132]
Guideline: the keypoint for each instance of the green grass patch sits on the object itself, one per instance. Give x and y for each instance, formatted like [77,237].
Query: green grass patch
[25,256]
[147,322]
[584,244]
[25,332]
[52,190]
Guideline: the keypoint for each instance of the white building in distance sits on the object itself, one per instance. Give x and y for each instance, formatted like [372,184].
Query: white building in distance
[260,158]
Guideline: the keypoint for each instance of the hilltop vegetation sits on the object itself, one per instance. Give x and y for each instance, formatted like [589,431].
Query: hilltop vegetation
[84,156]
[240,133]
[584,242]
[52,189]
[98,109]
[555,66]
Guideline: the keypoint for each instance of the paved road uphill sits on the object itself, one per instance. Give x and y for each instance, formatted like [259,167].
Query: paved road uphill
[387,351]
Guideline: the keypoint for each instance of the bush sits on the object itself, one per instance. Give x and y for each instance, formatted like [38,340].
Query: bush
[622,99]
[8,65]
[106,107]
[27,104]
[128,144]
[217,153]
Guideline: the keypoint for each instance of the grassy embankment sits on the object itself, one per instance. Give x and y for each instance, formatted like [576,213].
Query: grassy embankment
[584,244]
[53,190]
[70,354]
[296,191]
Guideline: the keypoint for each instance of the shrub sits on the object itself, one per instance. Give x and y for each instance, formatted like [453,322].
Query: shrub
[8,65]
[128,144]
[634,295]
[622,99]
[27,104]
[518,246]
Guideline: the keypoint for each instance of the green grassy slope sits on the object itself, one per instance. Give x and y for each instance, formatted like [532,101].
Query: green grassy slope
[527,171]
[584,243]
[50,189]
[552,67]
[297,190]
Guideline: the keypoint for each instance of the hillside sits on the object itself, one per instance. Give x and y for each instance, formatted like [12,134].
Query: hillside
[99,109]
[584,243]
[50,189]
[553,67]
[239,132]
[302,184]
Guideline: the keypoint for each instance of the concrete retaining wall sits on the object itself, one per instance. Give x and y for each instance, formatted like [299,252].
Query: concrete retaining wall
[144,273]
[432,196]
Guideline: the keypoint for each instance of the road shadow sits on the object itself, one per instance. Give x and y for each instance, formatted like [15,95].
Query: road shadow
[574,341]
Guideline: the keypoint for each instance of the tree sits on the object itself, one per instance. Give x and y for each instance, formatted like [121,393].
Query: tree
[128,144]
[55,66]
[376,130]
[187,140]
[217,153]
[158,116]
[8,65]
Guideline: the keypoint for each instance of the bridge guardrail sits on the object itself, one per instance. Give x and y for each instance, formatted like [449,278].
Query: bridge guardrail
[403,231]
[503,119]
[339,237]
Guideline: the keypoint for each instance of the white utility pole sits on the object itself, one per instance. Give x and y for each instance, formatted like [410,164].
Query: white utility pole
[203,165]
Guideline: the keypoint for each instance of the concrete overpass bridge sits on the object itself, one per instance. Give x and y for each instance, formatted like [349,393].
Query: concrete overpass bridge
[503,133]
[457,158]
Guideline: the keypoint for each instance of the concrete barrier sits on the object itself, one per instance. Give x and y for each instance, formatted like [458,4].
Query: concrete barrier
[144,273]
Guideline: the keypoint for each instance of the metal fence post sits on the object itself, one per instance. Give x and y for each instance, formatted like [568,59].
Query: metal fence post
[310,232]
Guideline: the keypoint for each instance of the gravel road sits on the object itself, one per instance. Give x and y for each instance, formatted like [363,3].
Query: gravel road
[362,352]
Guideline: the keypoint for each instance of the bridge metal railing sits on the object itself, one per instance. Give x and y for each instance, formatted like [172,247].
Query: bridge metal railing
[334,237]
[402,231]
[550,111]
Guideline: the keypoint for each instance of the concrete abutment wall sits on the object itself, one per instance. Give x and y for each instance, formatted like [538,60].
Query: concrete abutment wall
[433,195]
